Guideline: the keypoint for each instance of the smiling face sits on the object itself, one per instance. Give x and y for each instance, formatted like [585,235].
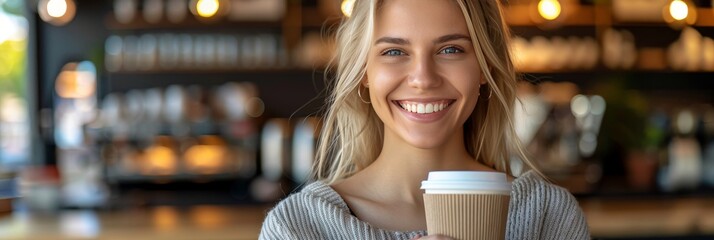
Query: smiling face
[422,72]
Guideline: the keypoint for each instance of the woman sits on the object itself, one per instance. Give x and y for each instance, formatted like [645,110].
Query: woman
[420,86]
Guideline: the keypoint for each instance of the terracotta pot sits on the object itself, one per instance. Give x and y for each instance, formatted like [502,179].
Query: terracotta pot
[641,168]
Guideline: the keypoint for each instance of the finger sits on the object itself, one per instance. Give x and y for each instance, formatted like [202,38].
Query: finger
[418,236]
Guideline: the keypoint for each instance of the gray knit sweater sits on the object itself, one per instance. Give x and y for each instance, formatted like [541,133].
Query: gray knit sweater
[538,210]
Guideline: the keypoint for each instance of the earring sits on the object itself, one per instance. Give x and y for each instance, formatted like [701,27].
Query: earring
[359,93]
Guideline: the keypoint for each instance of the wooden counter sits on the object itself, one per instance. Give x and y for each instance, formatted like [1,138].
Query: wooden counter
[198,222]
[649,217]
[619,218]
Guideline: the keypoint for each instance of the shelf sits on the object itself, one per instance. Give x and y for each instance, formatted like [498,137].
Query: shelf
[600,71]
[232,70]
[217,76]
[315,18]
[705,18]
[519,15]
[189,23]
[268,80]
[697,85]
[286,93]
[630,194]
[182,177]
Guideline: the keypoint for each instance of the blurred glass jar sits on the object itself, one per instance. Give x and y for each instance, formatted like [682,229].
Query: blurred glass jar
[263,10]
[130,53]
[176,10]
[169,51]
[226,51]
[186,52]
[113,53]
[148,52]
[125,10]
[153,10]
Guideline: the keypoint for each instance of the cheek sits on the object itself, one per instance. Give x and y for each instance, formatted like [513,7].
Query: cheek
[382,78]
[467,82]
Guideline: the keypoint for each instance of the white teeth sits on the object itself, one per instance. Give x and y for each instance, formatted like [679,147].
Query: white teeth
[424,108]
[430,108]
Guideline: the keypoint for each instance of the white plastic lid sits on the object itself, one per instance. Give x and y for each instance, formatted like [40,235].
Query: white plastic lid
[466,182]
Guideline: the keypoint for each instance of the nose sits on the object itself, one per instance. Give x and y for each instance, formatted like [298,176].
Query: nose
[422,74]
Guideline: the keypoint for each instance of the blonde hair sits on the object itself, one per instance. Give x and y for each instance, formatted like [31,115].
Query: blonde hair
[351,138]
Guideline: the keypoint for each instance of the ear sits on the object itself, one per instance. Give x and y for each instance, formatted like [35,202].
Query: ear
[482,79]
[364,82]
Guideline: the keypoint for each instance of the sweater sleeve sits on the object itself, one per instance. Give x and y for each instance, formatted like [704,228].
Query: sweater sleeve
[299,216]
[564,218]
[276,227]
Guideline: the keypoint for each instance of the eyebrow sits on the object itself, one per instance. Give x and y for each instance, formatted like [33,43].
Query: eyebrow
[402,41]
[452,37]
[393,40]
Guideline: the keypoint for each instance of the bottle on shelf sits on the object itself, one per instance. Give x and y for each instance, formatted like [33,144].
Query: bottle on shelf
[304,144]
[274,160]
[684,168]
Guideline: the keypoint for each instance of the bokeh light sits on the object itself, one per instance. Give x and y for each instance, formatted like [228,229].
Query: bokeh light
[207,8]
[679,10]
[57,8]
[56,12]
[549,9]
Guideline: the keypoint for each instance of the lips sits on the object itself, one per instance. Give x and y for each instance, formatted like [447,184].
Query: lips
[424,107]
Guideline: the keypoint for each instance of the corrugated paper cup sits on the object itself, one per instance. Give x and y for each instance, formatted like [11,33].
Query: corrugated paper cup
[467,205]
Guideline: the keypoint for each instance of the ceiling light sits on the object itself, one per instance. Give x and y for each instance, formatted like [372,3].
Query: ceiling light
[549,9]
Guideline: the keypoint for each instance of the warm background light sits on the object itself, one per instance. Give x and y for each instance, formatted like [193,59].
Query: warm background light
[57,8]
[159,160]
[207,8]
[56,12]
[77,81]
[75,84]
[679,10]
[347,6]
[549,9]
[205,159]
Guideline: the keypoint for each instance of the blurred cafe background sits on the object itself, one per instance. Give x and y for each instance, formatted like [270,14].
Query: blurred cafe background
[189,119]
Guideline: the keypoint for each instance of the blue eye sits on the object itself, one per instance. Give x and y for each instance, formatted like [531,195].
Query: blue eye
[451,50]
[393,52]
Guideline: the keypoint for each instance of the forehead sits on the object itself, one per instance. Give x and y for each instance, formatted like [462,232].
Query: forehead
[411,18]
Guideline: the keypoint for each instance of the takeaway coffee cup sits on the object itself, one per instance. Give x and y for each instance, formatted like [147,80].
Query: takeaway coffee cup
[467,205]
